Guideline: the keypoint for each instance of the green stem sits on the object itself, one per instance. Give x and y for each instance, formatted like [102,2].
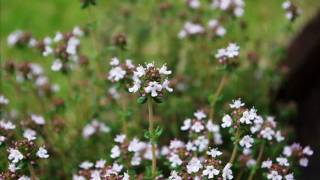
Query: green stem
[253,170]
[216,95]
[153,144]
[235,147]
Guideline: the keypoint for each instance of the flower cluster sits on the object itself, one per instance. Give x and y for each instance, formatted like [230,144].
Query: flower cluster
[236,7]
[292,11]
[226,55]
[34,72]
[94,127]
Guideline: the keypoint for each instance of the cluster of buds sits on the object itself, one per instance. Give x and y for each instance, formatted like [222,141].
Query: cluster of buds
[292,11]
[26,71]
[21,39]
[94,127]
[235,7]
[228,54]
[280,169]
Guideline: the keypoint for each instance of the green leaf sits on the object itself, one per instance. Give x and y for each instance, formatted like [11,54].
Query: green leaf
[142,99]
[158,99]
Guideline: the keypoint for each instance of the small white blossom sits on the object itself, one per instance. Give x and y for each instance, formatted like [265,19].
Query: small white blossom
[266,164]
[307,151]
[289,176]
[214,152]
[3,100]
[236,104]
[267,133]
[153,88]
[100,163]
[200,115]
[304,162]
[86,165]
[210,171]
[227,172]
[175,160]
[226,121]
[274,175]
[197,127]
[115,152]
[120,138]
[116,74]
[29,134]
[194,165]
[186,125]
[174,176]
[163,70]
[15,155]
[38,119]
[42,153]
[246,141]
[283,161]
[114,61]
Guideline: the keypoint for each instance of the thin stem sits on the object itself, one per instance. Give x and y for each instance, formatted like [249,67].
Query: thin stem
[253,170]
[153,144]
[32,172]
[216,95]
[235,147]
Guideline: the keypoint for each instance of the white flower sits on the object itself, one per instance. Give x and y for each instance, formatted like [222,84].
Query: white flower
[77,31]
[266,164]
[210,171]
[140,71]
[13,168]
[42,153]
[120,138]
[32,42]
[136,86]
[115,152]
[248,116]
[129,64]
[76,177]
[38,119]
[217,138]
[100,163]
[47,51]
[273,175]
[226,121]
[197,127]
[175,160]
[236,104]
[287,151]
[190,146]
[14,37]
[202,143]
[289,176]
[56,65]
[212,127]
[194,4]
[15,155]
[267,133]
[246,141]
[24,178]
[194,165]
[4,100]
[153,87]
[47,41]
[29,134]
[227,172]
[163,70]
[86,165]
[126,176]
[114,61]
[117,167]
[7,125]
[214,152]
[176,144]
[58,37]
[251,163]
[307,151]
[279,137]
[116,74]
[135,145]
[136,160]
[200,115]
[304,162]
[186,125]
[95,175]
[283,161]
[174,176]
[165,85]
